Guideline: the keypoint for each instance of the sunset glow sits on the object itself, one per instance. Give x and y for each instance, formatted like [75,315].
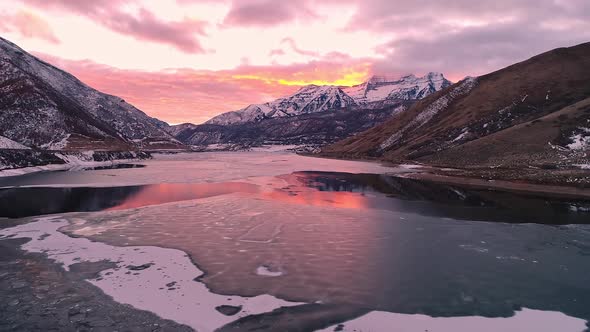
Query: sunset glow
[189,60]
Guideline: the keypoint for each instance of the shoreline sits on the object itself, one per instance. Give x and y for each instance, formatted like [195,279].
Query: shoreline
[544,190]
[38,294]
[50,161]
[547,183]
[553,183]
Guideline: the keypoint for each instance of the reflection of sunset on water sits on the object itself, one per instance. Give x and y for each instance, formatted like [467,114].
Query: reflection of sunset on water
[320,198]
[174,192]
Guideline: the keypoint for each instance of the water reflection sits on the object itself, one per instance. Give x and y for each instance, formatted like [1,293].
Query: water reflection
[175,192]
[22,202]
[448,201]
[366,259]
[335,239]
[341,190]
[105,167]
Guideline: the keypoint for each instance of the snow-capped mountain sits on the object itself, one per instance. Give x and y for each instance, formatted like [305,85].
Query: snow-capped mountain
[309,99]
[314,98]
[410,87]
[44,107]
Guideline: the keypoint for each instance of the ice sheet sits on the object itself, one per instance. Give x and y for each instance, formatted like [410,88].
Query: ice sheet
[149,278]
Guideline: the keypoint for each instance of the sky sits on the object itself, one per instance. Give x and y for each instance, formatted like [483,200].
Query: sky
[189,60]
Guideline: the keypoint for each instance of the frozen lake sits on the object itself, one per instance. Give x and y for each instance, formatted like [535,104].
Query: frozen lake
[278,242]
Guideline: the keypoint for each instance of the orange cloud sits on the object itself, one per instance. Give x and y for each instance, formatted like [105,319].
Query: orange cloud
[28,25]
[318,73]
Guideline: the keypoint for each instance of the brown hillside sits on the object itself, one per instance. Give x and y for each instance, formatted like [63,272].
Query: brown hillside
[476,108]
[542,142]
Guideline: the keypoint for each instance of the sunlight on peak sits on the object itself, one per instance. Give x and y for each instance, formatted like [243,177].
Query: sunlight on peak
[347,79]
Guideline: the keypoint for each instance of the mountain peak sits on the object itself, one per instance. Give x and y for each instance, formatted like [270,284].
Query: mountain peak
[408,87]
[314,98]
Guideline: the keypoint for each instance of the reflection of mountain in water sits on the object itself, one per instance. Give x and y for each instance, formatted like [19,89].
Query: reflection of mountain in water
[341,190]
[17,202]
[429,198]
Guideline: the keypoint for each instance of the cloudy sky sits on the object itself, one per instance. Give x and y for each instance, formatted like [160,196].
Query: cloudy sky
[188,60]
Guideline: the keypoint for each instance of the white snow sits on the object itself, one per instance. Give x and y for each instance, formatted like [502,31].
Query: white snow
[523,320]
[6,143]
[265,271]
[309,99]
[411,166]
[313,98]
[580,141]
[72,163]
[408,87]
[462,135]
[166,288]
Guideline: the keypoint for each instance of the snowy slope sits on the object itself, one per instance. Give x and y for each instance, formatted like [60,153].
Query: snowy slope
[42,105]
[309,99]
[375,93]
[406,88]
[6,143]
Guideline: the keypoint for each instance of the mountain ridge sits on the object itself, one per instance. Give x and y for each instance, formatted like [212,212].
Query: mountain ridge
[45,107]
[374,93]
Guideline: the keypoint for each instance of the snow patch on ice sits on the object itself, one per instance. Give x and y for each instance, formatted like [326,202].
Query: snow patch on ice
[523,320]
[266,271]
[167,287]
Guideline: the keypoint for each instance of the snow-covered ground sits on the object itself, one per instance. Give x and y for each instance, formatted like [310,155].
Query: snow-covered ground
[523,320]
[581,140]
[6,143]
[72,162]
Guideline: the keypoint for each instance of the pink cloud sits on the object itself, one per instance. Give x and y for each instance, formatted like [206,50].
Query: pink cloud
[178,96]
[266,12]
[28,25]
[186,95]
[298,50]
[146,26]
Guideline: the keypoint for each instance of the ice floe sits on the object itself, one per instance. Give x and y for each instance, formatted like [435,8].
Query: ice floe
[156,279]
[523,320]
